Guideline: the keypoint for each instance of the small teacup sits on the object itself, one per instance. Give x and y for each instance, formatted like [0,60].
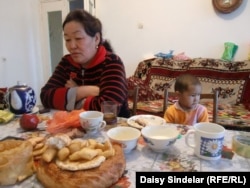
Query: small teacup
[208,140]
[92,121]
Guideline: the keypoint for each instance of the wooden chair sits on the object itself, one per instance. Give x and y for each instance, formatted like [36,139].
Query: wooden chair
[213,96]
[167,95]
[133,96]
[165,100]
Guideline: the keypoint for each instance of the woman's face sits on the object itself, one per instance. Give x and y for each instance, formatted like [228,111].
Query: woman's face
[190,98]
[81,46]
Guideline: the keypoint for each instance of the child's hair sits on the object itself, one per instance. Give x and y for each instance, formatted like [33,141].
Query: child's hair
[183,82]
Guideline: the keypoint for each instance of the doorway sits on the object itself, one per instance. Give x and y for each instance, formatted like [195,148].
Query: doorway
[53,13]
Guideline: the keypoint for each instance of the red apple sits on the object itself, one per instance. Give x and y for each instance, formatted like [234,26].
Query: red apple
[29,121]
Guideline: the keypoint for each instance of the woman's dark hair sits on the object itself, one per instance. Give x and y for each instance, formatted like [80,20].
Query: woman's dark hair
[91,25]
[107,45]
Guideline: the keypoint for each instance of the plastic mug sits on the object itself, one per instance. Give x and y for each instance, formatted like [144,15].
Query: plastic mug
[208,140]
[92,121]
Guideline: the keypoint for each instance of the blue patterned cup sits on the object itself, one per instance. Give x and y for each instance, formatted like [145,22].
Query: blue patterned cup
[208,140]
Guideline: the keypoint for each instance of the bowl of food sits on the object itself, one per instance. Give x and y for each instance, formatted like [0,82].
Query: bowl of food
[241,145]
[140,121]
[127,136]
[159,138]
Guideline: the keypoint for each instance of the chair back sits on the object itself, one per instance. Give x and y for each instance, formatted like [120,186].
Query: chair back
[213,96]
[133,96]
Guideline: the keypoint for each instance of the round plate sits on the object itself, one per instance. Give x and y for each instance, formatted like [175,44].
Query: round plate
[34,111]
[148,119]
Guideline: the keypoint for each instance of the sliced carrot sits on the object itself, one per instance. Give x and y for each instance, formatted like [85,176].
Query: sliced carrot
[62,121]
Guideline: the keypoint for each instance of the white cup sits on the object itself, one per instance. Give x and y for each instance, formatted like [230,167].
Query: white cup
[92,121]
[208,140]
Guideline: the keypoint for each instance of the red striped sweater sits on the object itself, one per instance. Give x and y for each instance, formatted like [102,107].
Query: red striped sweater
[106,71]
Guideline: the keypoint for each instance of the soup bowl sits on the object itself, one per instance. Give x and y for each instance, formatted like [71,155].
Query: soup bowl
[159,138]
[127,136]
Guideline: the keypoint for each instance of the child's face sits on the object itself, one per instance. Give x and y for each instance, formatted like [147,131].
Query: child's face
[190,98]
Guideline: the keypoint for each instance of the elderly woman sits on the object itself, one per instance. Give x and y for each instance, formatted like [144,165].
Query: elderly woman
[90,73]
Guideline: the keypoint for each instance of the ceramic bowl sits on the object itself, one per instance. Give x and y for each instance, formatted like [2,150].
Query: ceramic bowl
[159,138]
[127,136]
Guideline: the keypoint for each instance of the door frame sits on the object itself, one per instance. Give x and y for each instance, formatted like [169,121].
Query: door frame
[50,6]
[46,7]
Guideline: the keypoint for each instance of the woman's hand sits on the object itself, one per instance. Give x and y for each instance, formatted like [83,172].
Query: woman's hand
[70,83]
[85,91]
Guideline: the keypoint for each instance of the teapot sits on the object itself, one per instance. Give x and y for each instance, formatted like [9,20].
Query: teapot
[21,99]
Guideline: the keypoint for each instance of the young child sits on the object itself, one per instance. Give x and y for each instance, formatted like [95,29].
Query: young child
[187,110]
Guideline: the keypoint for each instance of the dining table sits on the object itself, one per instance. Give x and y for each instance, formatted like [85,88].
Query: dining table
[177,158]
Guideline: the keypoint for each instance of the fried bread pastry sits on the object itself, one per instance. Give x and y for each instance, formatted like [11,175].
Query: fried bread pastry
[108,173]
[16,161]
[141,122]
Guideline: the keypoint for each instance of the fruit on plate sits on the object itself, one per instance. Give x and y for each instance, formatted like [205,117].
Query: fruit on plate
[29,121]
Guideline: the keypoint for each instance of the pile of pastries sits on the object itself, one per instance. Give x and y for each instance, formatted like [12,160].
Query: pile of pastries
[59,161]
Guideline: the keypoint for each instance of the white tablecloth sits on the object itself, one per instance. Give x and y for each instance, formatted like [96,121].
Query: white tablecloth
[178,157]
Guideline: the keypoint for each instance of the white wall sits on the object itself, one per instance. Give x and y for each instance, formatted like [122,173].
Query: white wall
[20,57]
[190,26]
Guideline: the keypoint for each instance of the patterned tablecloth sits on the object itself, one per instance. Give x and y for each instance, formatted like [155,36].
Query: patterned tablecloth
[178,157]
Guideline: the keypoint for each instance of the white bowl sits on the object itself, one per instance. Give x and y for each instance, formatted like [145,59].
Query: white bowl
[127,136]
[159,138]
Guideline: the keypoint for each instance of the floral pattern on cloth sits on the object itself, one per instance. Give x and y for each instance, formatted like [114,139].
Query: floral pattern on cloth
[178,158]
[230,115]
[175,160]
[177,164]
[230,78]
[145,93]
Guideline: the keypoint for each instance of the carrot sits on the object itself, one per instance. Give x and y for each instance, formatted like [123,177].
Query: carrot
[62,121]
